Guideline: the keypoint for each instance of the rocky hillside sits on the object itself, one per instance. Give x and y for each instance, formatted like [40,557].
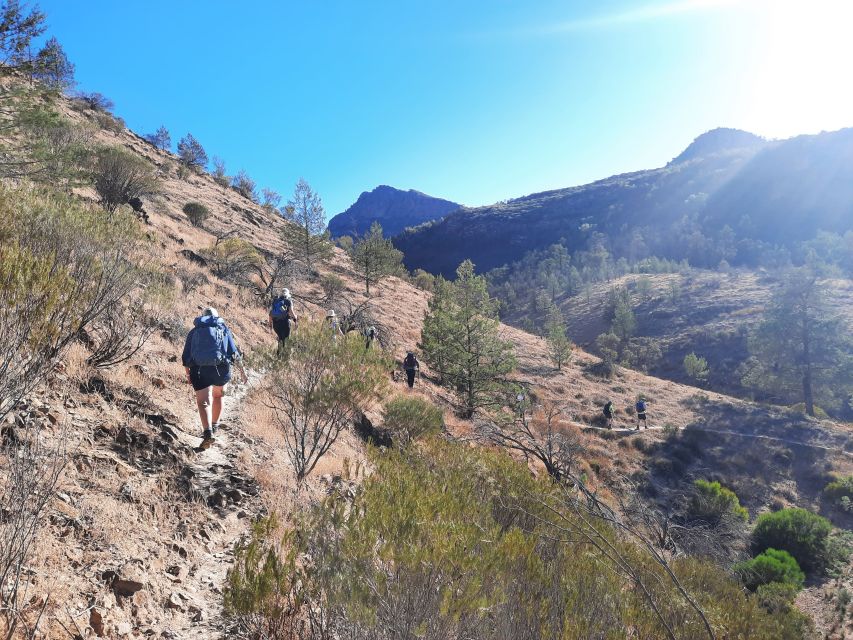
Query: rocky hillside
[143,528]
[730,196]
[394,209]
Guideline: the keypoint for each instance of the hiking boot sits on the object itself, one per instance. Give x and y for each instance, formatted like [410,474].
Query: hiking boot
[206,439]
[214,428]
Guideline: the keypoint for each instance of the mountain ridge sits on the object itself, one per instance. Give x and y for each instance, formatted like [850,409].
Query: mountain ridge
[711,185]
[395,209]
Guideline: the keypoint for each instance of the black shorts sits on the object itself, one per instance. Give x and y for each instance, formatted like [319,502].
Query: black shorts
[641,416]
[204,377]
[281,326]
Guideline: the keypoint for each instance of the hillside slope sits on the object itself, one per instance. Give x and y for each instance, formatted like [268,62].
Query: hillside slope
[394,209]
[143,529]
[765,193]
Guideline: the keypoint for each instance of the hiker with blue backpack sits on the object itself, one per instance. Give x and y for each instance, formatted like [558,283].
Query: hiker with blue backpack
[641,413]
[282,317]
[209,352]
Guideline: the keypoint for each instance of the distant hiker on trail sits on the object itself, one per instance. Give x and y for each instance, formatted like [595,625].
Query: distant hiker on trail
[411,366]
[641,413]
[281,316]
[208,353]
[608,414]
[369,336]
[332,322]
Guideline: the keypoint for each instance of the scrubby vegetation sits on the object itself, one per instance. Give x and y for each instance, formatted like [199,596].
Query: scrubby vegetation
[803,534]
[318,388]
[446,541]
[411,418]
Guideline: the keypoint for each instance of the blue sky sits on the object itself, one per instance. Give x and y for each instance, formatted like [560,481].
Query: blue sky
[474,101]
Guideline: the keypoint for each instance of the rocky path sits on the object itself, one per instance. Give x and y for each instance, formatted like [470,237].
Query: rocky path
[212,477]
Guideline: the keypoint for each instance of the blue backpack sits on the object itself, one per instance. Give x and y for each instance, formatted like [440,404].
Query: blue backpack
[209,342]
[281,308]
[641,407]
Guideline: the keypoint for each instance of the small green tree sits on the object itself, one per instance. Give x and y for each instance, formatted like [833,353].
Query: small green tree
[306,235]
[772,565]
[559,345]
[160,138]
[197,213]
[608,346]
[624,323]
[696,367]
[801,349]
[375,257]
[461,341]
[53,68]
[318,390]
[803,534]
[19,25]
[409,418]
[191,154]
[121,177]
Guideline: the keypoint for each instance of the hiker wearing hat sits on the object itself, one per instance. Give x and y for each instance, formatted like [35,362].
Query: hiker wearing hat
[334,325]
[411,366]
[208,354]
[281,316]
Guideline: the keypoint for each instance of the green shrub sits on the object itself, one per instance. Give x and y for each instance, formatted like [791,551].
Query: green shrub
[800,407]
[777,599]
[773,565]
[803,534]
[711,502]
[410,418]
[121,177]
[233,259]
[839,492]
[196,212]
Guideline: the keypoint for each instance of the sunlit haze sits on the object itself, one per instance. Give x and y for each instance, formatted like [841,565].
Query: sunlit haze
[475,101]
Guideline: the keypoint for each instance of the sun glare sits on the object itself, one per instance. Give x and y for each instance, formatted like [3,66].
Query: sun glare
[799,78]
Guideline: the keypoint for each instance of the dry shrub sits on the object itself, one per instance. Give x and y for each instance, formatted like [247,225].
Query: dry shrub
[30,473]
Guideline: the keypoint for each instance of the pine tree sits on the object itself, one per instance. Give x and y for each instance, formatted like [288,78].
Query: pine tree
[801,348]
[53,68]
[306,237]
[160,138]
[460,341]
[375,257]
[191,153]
[18,27]
[559,345]
[696,367]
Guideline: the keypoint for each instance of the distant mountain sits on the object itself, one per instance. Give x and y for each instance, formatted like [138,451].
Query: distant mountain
[720,140]
[393,208]
[730,195]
